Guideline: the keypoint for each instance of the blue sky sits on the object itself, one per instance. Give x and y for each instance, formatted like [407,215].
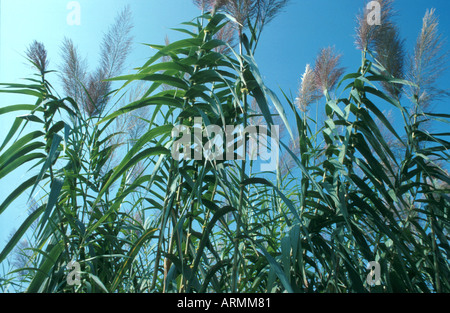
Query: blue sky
[290,42]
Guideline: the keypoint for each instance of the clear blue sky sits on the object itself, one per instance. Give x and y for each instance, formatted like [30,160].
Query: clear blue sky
[288,44]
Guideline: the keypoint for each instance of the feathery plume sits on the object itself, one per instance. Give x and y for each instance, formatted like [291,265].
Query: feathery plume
[385,41]
[116,46]
[210,5]
[428,62]
[241,10]
[367,34]
[220,3]
[326,69]
[308,91]
[267,10]
[73,71]
[261,11]
[390,52]
[204,5]
[37,53]
[96,97]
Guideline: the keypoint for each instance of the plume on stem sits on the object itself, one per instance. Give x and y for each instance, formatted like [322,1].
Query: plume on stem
[204,5]
[326,69]
[260,11]
[367,33]
[428,62]
[389,48]
[73,71]
[267,10]
[115,47]
[308,91]
[37,53]
[385,41]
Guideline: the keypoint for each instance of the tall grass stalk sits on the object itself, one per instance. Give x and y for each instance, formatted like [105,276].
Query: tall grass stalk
[138,219]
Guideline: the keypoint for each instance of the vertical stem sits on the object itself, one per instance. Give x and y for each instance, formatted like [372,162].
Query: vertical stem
[241,192]
[174,168]
[47,127]
[435,255]
[161,231]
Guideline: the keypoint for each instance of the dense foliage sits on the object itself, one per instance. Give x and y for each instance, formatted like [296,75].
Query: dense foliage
[153,223]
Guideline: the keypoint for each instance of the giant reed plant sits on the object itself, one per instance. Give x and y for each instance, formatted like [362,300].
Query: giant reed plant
[157,223]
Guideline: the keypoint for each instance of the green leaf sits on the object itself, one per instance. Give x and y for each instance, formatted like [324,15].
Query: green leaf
[162,66]
[132,157]
[267,93]
[18,146]
[277,268]
[156,100]
[25,92]
[131,256]
[20,232]
[18,107]
[50,159]
[14,163]
[31,118]
[206,235]
[12,131]
[52,200]
[17,192]
[159,78]
[98,282]
[184,43]
[39,279]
